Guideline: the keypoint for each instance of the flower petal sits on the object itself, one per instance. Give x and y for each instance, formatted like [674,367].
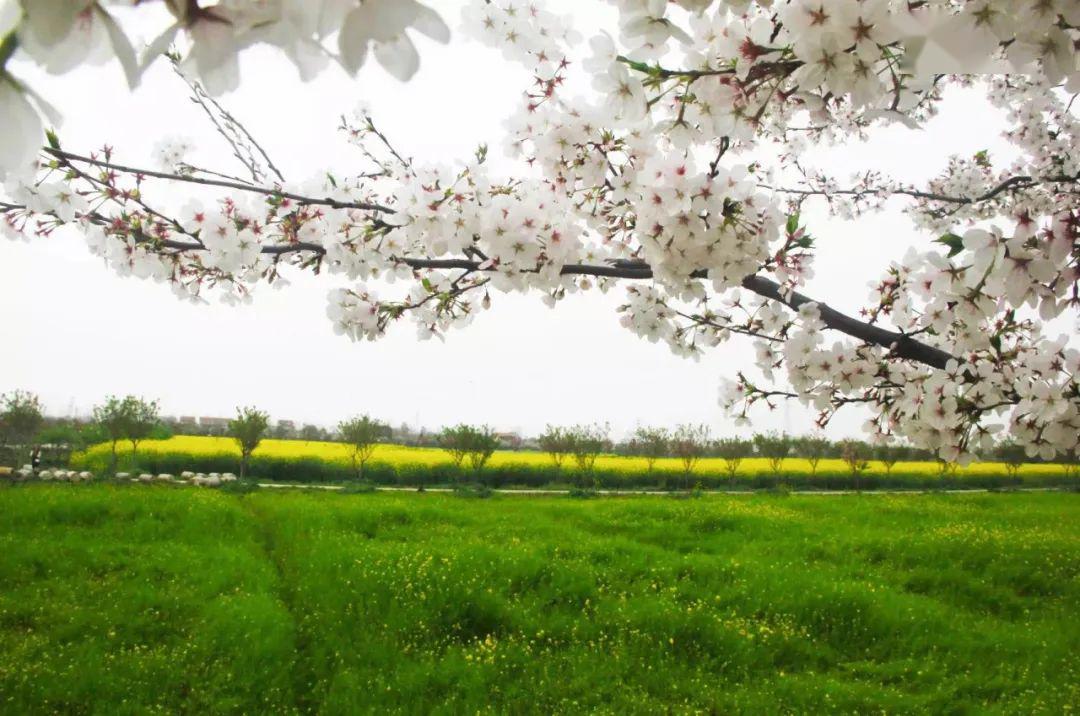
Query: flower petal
[353,40]
[398,57]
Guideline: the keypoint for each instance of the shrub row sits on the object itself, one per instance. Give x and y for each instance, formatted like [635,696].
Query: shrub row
[314,470]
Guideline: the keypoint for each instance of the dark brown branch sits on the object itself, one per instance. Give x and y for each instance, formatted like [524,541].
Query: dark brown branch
[899,344]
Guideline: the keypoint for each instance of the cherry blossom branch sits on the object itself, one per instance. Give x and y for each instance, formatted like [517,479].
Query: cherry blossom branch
[899,344]
[251,188]
[705,321]
[1015,183]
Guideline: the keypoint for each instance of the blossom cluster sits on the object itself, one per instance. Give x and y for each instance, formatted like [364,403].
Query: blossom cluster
[61,36]
[682,172]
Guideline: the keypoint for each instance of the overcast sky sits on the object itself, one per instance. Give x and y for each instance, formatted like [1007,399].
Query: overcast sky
[74,332]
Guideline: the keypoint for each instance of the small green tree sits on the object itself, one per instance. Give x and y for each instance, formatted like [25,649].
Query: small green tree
[477,445]
[651,444]
[143,421]
[947,468]
[20,420]
[689,443]
[1012,454]
[853,453]
[113,418]
[814,448]
[586,444]
[888,456]
[482,446]
[774,447]
[557,443]
[248,428]
[312,433]
[361,434]
[732,451]
[455,440]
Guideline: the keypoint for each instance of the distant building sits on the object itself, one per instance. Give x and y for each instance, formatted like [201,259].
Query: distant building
[214,426]
[509,440]
[184,424]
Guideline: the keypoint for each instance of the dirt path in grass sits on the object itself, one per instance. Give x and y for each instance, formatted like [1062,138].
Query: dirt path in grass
[304,677]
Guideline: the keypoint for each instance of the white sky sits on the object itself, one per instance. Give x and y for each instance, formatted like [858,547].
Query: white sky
[74,332]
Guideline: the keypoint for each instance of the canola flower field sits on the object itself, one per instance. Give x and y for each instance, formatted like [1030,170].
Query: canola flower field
[302,461]
[435,457]
[125,599]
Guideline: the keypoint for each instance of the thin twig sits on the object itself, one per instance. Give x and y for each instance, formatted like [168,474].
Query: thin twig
[241,186]
[243,144]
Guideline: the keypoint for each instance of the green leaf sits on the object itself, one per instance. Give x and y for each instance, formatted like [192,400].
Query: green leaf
[7,47]
[954,242]
[50,136]
[793,223]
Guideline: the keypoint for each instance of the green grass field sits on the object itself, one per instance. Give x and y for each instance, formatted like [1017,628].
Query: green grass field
[156,599]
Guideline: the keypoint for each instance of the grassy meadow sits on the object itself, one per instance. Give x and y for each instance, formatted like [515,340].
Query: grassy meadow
[131,599]
[302,461]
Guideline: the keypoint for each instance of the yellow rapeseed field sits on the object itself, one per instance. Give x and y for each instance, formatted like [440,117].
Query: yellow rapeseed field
[403,455]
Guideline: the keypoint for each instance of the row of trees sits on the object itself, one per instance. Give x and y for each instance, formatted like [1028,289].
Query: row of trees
[585,443]
[133,419]
[689,443]
[685,441]
[23,425]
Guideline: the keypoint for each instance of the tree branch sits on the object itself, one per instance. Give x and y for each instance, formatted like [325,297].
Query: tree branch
[1011,184]
[899,344]
[266,191]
